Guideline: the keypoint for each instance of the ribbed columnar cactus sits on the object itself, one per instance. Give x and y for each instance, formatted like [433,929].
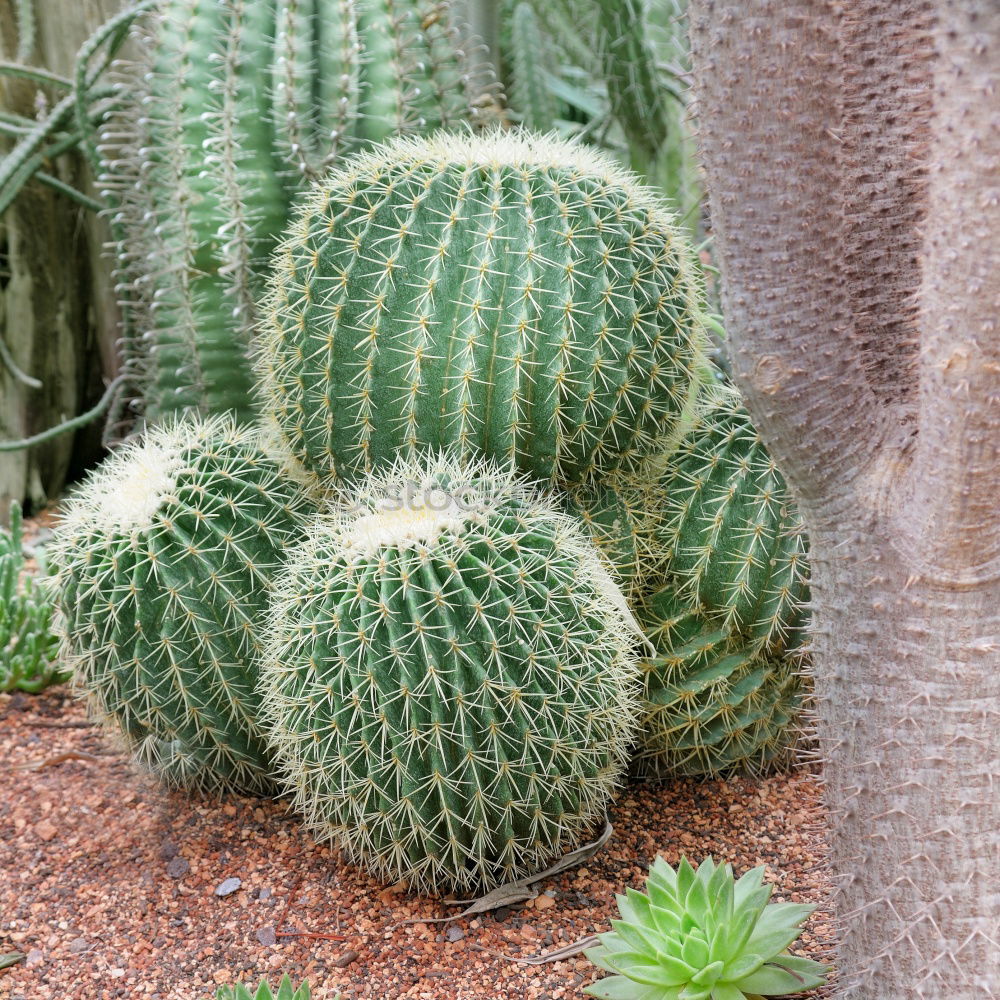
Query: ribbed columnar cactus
[449,681]
[506,294]
[735,541]
[712,703]
[164,563]
[236,104]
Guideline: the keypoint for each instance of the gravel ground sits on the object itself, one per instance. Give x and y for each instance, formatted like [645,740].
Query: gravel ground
[110,884]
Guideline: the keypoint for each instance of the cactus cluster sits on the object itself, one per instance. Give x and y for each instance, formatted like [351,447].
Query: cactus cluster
[164,561]
[28,646]
[286,991]
[510,296]
[450,677]
[406,601]
[234,106]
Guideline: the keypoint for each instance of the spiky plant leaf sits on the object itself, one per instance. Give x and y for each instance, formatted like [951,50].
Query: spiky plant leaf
[720,943]
[449,680]
[286,991]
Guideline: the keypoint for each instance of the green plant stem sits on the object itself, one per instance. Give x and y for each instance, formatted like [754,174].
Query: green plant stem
[68,425]
[35,73]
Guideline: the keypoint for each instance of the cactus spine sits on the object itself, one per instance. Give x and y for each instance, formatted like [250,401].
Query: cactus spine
[449,682]
[506,295]
[164,560]
[244,102]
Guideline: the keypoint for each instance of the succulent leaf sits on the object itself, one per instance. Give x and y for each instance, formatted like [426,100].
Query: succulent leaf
[699,962]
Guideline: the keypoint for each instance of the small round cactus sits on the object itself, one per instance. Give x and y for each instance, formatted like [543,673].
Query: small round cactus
[449,680]
[164,559]
[731,530]
[506,295]
[712,704]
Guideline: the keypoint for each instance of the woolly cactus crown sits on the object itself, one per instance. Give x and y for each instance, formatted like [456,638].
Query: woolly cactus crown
[450,678]
[509,295]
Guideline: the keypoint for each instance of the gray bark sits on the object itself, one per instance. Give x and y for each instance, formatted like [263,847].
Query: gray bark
[885,416]
[58,314]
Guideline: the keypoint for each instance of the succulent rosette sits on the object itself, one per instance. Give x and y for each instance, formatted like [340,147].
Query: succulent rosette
[700,935]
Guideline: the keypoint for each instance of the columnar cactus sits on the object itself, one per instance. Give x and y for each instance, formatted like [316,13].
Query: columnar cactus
[164,561]
[712,704]
[506,294]
[236,104]
[449,680]
[734,539]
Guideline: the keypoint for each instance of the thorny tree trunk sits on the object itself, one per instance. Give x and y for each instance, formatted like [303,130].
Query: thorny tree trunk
[853,158]
[58,314]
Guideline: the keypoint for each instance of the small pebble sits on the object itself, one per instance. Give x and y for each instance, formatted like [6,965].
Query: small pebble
[178,867]
[229,886]
[266,936]
[454,934]
[78,945]
[348,958]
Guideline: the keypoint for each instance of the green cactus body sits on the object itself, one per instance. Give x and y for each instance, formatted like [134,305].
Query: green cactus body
[28,646]
[164,560]
[449,679]
[236,104]
[711,703]
[506,295]
[531,58]
[735,541]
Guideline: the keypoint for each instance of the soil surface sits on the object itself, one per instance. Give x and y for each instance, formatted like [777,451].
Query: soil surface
[112,886]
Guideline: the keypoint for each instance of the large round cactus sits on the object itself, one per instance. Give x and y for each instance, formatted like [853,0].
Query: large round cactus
[712,703]
[449,681]
[164,562]
[732,533]
[232,107]
[508,295]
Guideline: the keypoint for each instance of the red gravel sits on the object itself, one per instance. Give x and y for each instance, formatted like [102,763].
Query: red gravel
[107,883]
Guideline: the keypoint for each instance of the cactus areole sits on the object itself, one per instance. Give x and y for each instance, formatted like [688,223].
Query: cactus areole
[508,295]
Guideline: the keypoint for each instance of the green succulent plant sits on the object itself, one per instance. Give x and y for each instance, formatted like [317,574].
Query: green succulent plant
[712,703]
[507,295]
[234,107]
[29,649]
[286,991]
[450,678]
[700,935]
[164,562]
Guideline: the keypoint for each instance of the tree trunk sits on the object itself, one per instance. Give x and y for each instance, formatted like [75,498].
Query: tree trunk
[886,420]
[58,315]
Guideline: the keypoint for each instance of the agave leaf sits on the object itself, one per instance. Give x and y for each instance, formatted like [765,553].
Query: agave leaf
[709,975]
[640,936]
[778,927]
[667,922]
[720,892]
[738,933]
[685,879]
[598,956]
[620,988]
[633,906]
[741,966]
[663,874]
[777,980]
[695,951]
[640,967]
[750,881]
[695,993]
[726,991]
